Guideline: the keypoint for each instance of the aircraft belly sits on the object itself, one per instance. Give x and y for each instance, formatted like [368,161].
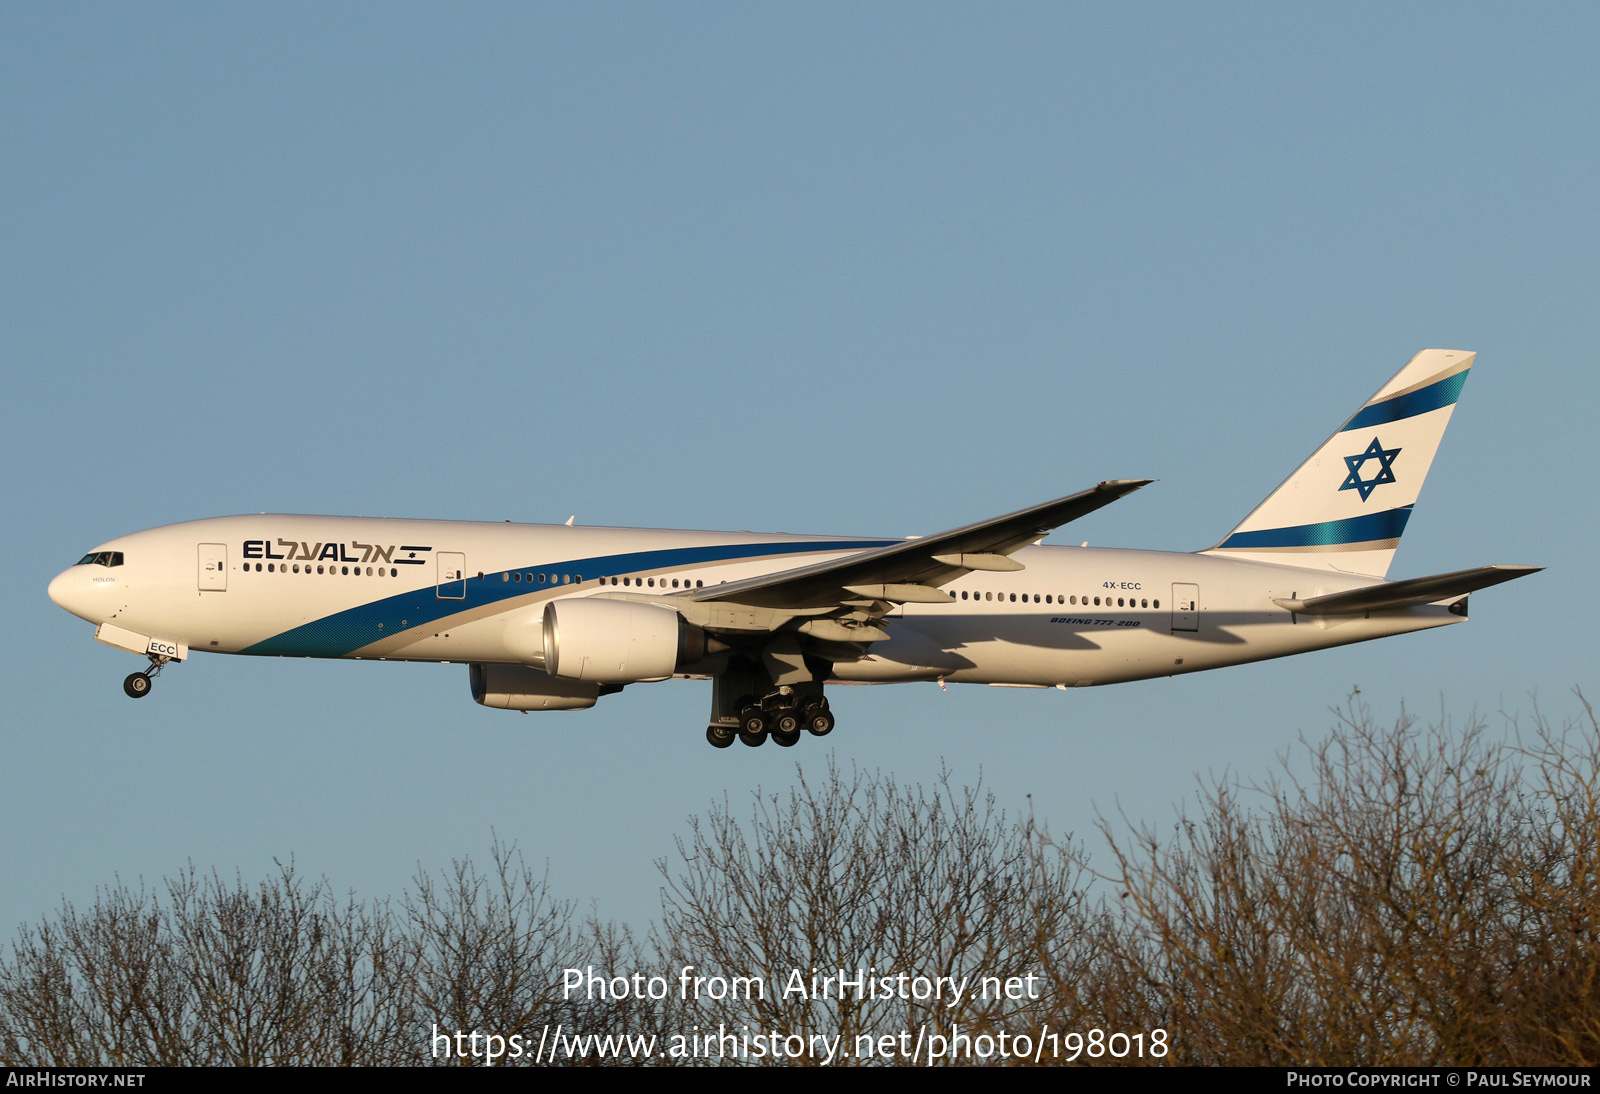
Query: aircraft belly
[1065,649]
[1027,649]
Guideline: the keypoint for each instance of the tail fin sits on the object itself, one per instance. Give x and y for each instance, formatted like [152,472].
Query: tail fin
[1345,507]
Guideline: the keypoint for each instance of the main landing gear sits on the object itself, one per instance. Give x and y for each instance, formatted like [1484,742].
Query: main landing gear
[780,716]
[138,684]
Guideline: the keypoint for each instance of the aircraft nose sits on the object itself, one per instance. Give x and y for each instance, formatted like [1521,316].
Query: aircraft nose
[71,589]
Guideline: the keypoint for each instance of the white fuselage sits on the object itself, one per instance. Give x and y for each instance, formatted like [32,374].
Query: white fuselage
[378,588]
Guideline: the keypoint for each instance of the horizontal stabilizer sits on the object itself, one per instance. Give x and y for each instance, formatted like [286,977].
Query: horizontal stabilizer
[1408,593]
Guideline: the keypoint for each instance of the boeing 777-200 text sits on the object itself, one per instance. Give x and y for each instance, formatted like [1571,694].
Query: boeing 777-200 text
[554,617]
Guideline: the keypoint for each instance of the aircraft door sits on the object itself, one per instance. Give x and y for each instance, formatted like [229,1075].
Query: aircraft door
[1185,606]
[452,576]
[212,573]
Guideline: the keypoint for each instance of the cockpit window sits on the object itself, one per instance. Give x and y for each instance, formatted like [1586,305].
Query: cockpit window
[102,558]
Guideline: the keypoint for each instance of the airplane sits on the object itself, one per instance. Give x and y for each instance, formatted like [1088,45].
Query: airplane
[553,617]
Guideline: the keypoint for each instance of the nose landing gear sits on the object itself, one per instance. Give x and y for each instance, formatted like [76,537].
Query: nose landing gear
[138,684]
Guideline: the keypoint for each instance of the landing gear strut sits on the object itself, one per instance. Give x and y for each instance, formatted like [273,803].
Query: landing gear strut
[138,684]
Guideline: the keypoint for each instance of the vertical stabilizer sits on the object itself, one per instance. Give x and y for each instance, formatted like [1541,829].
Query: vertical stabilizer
[1346,506]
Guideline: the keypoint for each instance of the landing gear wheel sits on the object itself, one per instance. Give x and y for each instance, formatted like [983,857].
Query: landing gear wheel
[785,740]
[820,723]
[752,722]
[720,736]
[754,740]
[786,722]
[137,685]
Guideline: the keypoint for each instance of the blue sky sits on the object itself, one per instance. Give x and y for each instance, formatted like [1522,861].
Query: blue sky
[859,269]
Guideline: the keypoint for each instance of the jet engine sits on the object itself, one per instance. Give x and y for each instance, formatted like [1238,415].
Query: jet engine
[514,687]
[617,641]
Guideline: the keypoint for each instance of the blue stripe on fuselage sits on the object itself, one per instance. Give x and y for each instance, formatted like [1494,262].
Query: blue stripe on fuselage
[342,633]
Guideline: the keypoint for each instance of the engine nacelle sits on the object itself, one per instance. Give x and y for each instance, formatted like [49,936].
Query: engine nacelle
[617,641]
[514,687]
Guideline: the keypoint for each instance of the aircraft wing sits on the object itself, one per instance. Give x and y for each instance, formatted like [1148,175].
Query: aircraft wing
[913,570]
[1408,593]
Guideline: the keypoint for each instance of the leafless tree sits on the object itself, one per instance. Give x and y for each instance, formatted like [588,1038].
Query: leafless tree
[855,876]
[213,974]
[1415,897]
[486,951]
[1395,895]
